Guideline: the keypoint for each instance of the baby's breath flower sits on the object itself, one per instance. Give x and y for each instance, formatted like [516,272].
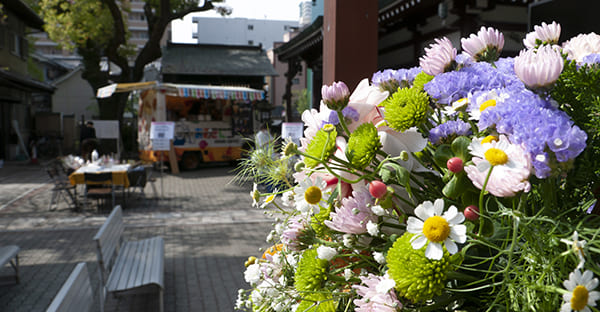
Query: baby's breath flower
[372,228]
[363,144]
[326,253]
[379,257]
[406,108]
[417,277]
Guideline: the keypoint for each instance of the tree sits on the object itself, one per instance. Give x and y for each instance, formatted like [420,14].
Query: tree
[98,30]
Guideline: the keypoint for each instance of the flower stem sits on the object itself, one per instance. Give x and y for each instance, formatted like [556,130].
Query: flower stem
[482,211]
[343,123]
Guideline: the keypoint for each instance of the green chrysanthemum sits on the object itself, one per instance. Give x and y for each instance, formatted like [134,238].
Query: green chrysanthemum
[406,108]
[362,145]
[311,272]
[317,221]
[322,147]
[317,302]
[417,277]
[421,79]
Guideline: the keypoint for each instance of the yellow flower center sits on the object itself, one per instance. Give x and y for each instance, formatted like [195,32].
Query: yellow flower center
[328,127]
[496,156]
[270,198]
[436,229]
[486,104]
[580,298]
[489,139]
[313,195]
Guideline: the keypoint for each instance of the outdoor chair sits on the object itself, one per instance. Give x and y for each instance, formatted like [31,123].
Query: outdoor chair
[99,186]
[139,177]
[76,293]
[62,188]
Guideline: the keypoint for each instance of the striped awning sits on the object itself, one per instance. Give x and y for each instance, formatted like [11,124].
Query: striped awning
[188,90]
[218,92]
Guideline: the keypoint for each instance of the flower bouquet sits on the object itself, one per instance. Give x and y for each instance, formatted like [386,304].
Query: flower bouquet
[467,184]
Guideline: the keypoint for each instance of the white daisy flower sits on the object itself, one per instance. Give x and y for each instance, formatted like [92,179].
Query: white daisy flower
[309,195]
[577,246]
[456,106]
[255,194]
[581,295]
[269,199]
[481,101]
[435,228]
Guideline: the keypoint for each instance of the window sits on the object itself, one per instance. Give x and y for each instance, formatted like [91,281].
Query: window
[296,81]
[250,27]
[250,42]
[14,44]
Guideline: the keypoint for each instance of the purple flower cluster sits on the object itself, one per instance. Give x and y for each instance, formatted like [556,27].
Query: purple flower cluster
[391,79]
[451,86]
[540,127]
[449,130]
[591,59]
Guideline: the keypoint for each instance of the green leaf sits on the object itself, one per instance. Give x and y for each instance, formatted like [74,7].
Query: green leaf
[442,154]
[460,148]
[458,185]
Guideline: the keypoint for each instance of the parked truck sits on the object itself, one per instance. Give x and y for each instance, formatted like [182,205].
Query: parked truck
[210,121]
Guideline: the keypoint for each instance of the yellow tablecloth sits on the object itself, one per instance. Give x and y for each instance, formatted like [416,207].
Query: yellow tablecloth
[119,174]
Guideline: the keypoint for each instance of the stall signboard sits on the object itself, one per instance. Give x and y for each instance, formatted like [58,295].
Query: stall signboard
[161,134]
[292,130]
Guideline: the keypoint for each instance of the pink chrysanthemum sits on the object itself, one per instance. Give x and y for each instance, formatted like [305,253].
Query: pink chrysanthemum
[582,45]
[485,46]
[539,67]
[292,235]
[354,214]
[438,57]
[511,166]
[377,294]
[544,34]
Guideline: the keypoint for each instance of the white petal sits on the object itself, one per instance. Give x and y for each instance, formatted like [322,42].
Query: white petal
[438,207]
[458,233]
[591,284]
[418,242]
[414,225]
[451,246]
[593,297]
[450,213]
[566,307]
[422,212]
[434,251]
[483,166]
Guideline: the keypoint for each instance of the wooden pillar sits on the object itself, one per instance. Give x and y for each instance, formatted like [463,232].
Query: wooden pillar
[349,41]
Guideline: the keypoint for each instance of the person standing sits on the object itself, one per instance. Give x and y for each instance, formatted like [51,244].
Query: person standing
[88,140]
[263,138]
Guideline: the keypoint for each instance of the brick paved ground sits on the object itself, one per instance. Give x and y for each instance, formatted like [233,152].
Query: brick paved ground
[208,225]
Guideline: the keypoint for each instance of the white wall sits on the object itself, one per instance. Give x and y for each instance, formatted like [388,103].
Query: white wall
[235,31]
[75,96]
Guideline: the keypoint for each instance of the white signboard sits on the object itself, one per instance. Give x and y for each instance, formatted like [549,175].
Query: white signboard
[106,129]
[292,130]
[163,130]
[161,144]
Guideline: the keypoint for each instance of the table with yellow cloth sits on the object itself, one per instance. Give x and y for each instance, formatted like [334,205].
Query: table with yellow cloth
[119,174]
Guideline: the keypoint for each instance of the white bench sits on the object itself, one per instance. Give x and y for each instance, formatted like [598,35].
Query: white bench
[10,254]
[76,293]
[128,267]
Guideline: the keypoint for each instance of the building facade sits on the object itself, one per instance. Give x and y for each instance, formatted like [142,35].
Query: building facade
[18,90]
[241,31]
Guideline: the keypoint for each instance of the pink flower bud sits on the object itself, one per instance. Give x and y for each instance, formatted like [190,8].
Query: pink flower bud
[472,213]
[377,189]
[455,164]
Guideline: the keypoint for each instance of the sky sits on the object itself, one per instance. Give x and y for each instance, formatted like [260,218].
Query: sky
[253,9]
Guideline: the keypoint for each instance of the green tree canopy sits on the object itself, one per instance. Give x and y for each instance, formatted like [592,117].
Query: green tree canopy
[98,29]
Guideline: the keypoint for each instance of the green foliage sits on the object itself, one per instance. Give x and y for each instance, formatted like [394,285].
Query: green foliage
[71,24]
[578,93]
[302,102]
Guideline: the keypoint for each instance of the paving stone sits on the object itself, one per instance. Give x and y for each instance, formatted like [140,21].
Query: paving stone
[208,225]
